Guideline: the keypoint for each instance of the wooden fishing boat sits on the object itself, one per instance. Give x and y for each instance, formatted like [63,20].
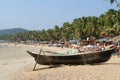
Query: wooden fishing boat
[73,59]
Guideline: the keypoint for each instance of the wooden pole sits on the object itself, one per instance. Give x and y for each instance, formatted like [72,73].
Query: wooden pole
[37,59]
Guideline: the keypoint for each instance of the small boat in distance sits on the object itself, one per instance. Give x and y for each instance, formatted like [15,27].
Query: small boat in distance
[73,59]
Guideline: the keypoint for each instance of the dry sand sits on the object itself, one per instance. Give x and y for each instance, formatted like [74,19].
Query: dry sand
[16,64]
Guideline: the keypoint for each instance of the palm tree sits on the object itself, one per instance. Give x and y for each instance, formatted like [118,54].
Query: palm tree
[57,32]
[67,31]
[50,34]
[115,1]
[116,28]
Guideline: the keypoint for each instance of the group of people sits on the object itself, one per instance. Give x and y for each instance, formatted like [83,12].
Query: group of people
[97,47]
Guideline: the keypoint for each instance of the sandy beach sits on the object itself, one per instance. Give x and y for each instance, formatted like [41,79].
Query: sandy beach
[16,64]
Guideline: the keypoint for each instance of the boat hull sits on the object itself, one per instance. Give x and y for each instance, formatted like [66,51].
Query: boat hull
[77,59]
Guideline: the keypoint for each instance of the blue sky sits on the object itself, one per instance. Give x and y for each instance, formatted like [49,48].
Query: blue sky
[45,14]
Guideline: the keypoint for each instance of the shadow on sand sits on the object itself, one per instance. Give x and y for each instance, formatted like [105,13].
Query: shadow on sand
[105,64]
[49,67]
[110,64]
[56,66]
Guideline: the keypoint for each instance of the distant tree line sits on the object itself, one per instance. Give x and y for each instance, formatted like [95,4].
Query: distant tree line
[82,27]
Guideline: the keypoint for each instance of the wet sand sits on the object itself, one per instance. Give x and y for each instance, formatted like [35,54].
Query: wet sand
[16,64]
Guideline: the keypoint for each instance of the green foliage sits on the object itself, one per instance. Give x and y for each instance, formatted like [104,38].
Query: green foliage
[115,1]
[112,1]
